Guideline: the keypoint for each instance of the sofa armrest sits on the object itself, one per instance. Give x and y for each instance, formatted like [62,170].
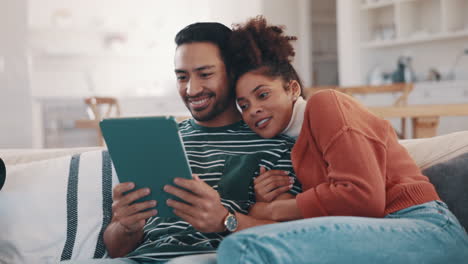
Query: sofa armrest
[427,152]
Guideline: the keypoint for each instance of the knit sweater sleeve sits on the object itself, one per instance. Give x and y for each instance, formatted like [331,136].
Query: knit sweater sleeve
[354,183]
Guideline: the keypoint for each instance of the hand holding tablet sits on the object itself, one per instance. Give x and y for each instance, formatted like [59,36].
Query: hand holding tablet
[148,152]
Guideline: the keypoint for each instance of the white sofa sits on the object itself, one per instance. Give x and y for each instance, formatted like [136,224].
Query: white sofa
[55,204]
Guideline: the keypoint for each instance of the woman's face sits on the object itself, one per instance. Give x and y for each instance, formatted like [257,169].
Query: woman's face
[265,104]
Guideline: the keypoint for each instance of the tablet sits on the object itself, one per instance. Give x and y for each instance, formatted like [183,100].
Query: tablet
[149,152]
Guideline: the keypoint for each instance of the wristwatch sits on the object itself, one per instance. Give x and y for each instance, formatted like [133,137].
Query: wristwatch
[230,222]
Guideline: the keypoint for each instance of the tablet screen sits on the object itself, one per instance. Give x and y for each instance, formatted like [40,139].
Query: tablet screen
[149,152]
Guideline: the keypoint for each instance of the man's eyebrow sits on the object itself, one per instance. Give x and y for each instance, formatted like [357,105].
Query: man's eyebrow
[204,67]
[180,71]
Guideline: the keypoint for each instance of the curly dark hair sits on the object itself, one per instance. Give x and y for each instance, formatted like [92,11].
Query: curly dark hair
[257,46]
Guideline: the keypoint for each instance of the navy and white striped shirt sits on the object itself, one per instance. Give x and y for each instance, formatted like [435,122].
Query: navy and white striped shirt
[227,158]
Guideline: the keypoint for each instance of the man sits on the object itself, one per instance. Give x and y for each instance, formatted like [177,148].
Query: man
[224,155]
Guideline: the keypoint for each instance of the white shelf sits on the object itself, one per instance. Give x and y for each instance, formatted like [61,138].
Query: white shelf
[378,4]
[409,41]
[405,22]
[384,3]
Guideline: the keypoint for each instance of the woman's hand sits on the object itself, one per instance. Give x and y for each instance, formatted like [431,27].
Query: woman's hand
[270,184]
[278,211]
[261,210]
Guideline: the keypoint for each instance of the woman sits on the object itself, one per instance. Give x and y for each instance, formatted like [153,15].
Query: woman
[364,199]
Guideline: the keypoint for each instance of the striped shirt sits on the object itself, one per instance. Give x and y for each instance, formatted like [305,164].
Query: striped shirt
[227,158]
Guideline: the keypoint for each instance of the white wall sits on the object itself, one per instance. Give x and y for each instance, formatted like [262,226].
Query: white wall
[59,50]
[75,50]
[296,16]
[16,112]
[349,52]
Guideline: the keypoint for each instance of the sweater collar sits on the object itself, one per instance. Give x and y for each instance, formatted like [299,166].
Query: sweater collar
[295,124]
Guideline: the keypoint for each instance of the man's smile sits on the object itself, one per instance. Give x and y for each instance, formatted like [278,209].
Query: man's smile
[200,103]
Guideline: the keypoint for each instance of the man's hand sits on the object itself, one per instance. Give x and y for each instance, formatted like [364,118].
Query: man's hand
[271,184]
[202,207]
[125,231]
[130,216]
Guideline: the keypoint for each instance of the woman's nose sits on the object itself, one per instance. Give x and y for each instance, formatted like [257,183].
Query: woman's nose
[256,109]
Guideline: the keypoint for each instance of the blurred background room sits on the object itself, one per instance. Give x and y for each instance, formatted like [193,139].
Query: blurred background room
[58,58]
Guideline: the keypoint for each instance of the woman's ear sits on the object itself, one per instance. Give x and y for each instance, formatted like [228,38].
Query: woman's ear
[295,89]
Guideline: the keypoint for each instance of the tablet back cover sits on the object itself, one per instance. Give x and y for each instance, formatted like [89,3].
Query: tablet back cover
[149,152]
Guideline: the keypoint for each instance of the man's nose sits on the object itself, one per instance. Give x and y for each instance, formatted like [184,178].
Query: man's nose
[193,87]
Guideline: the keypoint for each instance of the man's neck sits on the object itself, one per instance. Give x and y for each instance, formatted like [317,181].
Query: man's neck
[230,116]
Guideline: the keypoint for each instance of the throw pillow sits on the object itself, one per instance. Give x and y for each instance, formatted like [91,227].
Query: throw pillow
[56,209]
[450,179]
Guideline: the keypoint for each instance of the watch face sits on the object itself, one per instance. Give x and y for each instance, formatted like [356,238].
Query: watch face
[231,223]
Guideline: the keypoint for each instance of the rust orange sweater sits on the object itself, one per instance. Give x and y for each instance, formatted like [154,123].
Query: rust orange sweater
[350,163]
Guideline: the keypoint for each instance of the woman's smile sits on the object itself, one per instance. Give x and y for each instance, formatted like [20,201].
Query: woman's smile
[263,123]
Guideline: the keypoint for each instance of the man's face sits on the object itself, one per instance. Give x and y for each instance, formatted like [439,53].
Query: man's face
[202,80]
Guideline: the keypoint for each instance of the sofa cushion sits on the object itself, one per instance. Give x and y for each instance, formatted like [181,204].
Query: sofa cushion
[427,152]
[444,159]
[22,156]
[56,209]
[38,219]
[450,179]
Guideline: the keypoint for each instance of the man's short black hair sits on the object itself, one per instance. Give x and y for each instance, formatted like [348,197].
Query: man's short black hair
[211,32]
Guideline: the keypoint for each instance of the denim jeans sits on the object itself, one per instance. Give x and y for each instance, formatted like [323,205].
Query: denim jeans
[426,233]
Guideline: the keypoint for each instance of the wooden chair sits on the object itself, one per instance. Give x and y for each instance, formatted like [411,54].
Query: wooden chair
[403,88]
[182,118]
[99,108]
[309,91]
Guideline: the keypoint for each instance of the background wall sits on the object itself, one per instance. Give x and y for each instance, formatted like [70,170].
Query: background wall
[16,114]
[53,53]
[65,50]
